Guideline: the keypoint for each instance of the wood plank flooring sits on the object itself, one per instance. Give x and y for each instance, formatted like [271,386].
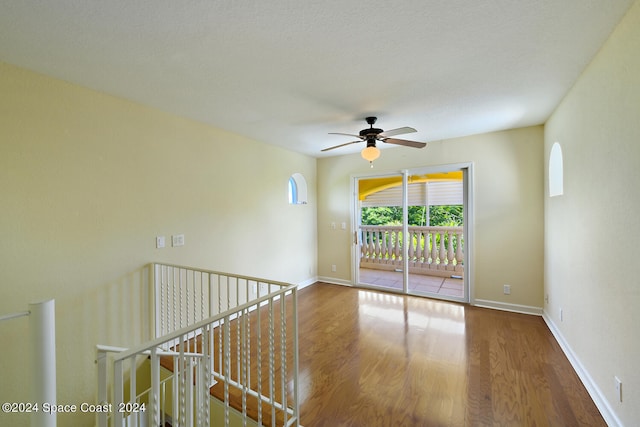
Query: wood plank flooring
[370,358]
[374,359]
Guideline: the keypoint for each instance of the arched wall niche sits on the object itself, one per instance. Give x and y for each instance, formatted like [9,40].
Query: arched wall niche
[556,172]
[297,189]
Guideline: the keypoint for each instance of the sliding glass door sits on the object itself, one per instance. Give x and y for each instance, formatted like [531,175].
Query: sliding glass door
[412,232]
[380,215]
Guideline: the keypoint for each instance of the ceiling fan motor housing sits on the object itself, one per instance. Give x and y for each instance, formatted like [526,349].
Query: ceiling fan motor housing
[371,132]
[371,142]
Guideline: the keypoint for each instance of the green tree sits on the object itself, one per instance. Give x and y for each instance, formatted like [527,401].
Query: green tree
[382,215]
[449,216]
[446,216]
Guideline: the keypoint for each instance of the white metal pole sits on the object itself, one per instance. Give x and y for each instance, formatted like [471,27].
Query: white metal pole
[43,360]
[101,360]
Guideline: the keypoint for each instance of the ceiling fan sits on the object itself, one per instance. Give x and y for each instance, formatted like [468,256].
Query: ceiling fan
[371,135]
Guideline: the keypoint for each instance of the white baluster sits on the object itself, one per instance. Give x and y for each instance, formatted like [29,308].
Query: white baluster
[199,393]
[244,380]
[259,361]
[450,254]
[184,281]
[227,368]
[372,247]
[418,239]
[398,247]
[182,371]
[133,417]
[384,251]
[238,351]
[118,387]
[101,361]
[411,248]
[393,246]
[459,252]
[189,380]
[154,398]
[174,302]
[283,355]
[272,363]
[443,252]
[434,251]
[377,247]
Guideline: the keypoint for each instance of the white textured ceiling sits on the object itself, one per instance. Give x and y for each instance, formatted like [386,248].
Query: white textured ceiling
[287,72]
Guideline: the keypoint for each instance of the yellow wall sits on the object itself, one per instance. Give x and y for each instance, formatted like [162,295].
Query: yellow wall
[591,236]
[88,181]
[508,169]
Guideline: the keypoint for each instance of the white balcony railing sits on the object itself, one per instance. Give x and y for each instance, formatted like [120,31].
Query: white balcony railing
[436,251]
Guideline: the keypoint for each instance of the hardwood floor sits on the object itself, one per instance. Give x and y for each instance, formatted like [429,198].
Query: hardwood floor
[373,359]
[369,358]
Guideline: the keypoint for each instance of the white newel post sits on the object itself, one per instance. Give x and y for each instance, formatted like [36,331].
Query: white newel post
[43,360]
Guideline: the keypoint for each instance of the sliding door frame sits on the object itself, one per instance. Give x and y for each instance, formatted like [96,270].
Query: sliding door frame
[468,209]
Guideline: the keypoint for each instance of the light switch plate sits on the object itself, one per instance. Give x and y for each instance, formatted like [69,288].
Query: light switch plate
[177,240]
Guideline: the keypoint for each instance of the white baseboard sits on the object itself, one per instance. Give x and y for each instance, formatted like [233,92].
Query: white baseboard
[516,308]
[307,282]
[594,391]
[334,281]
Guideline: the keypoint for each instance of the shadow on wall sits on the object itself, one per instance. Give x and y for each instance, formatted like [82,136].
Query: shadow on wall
[115,314]
[118,313]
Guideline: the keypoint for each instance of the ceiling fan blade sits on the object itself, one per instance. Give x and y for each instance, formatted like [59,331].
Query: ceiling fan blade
[404,142]
[398,131]
[345,134]
[341,145]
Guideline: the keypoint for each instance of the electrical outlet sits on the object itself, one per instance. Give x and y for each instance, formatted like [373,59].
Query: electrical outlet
[160,242]
[618,386]
[333,268]
[507,289]
[561,315]
[546,298]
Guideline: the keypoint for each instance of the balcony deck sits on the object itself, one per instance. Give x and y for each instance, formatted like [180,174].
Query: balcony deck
[418,283]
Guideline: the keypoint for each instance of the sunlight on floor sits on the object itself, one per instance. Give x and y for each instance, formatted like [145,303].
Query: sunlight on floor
[413,312]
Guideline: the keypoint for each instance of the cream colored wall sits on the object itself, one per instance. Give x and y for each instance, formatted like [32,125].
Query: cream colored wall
[591,236]
[508,168]
[87,183]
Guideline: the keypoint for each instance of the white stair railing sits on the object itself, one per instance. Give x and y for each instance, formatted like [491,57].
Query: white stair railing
[238,331]
[42,365]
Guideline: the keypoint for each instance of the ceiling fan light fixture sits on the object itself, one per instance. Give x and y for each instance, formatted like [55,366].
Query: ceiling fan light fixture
[372,135]
[370,153]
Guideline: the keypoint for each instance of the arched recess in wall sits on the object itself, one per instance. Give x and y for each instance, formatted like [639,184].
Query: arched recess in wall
[556,171]
[297,189]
